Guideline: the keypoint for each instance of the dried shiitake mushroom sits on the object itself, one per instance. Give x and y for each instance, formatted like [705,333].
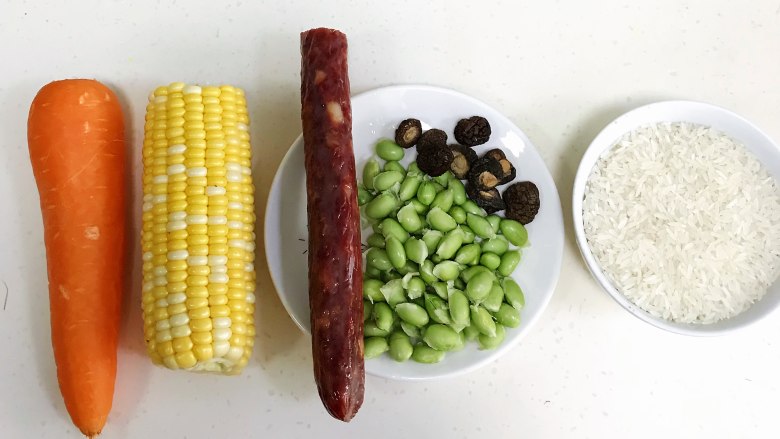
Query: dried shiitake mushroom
[490,200]
[432,138]
[522,201]
[434,160]
[462,158]
[472,131]
[508,172]
[485,174]
[408,133]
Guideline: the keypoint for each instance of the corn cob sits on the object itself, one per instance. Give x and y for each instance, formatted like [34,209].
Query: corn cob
[198,229]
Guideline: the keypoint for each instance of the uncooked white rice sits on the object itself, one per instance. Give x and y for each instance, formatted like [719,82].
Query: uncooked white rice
[684,221]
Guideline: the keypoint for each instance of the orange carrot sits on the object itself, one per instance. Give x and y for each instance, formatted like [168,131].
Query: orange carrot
[75,134]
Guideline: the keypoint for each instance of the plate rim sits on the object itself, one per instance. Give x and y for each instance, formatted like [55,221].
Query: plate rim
[555,204]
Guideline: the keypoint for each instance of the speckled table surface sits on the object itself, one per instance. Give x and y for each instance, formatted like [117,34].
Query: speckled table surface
[560,70]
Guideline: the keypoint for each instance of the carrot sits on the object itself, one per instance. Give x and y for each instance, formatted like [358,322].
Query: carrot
[75,134]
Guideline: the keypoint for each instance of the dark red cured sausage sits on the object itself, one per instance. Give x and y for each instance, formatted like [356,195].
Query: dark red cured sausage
[335,272]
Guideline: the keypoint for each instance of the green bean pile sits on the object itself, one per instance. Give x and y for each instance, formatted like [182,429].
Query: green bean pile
[437,267]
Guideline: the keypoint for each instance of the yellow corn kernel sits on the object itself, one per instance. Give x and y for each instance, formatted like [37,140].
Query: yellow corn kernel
[202,338]
[182,344]
[201,325]
[186,360]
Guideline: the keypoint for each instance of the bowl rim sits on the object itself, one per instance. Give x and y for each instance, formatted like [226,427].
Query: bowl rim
[554,201]
[605,141]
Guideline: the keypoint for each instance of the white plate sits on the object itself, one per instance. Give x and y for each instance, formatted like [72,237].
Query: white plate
[375,115]
[718,118]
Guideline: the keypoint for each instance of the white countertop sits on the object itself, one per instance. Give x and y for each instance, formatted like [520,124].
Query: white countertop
[560,70]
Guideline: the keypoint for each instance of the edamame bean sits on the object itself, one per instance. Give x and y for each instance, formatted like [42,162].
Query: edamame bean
[470,272]
[497,245]
[440,288]
[409,187]
[395,252]
[450,244]
[409,218]
[387,276]
[400,347]
[416,250]
[376,240]
[459,284]
[385,180]
[492,342]
[372,272]
[426,271]
[425,354]
[513,294]
[446,270]
[383,316]
[441,337]
[388,150]
[443,200]
[369,172]
[470,332]
[410,330]
[509,261]
[483,321]
[419,207]
[412,314]
[409,267]
[494,299]
[443,179]
[415,288]
[383,205]
[458,192]
[426,192]
[436,259]
[458,214]
[437,186]
[439,219]
[437,309]
[461,339]
[471,207]
[374,347]
[393,165]
[514,231]
[480,226]
[508,316]
[377,257]
[468,254]
[478,287]
[368,307]
[393,292]
[468,234]
[390,227]
[414,168]
[370,330]
[431,238]
[459,308]
[364,196]
[490,260]
[494,221]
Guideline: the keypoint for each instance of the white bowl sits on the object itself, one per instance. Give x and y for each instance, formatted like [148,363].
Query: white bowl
[676,111]
[375,115]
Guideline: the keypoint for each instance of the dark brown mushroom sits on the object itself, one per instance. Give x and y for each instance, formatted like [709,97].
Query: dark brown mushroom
[432,138]
[462,158]
[522,201]
[508,172]
[408,133]
[485,174]
[490,200]
[434,160]
[472,131]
